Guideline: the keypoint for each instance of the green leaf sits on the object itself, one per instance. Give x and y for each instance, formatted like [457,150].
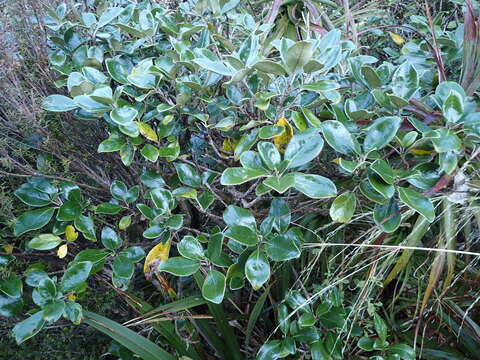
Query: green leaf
[339,138]
[191,248]
[29,327]
[445,140]
[315,186]
[179,266]
[144,348]
[383,169]
[234,215]
[44,242]
[387,217]
[242,234]
[117,70]
[86,226]
[188,175]
[214,66]
[120,191]
[75,275]
[269,154]
[453,107]
[213,288]
[283,247]
[59,103]
[108,208]
[11,292]
[417,202]
[343,207]
[245,143]
[108,15]
[270,67]
[298,55]
[163,199]
[405,81]
[31,196]
[237,176]
[123,115]
[323,85]
[380,327]
[257,269]
[150,152]
[110,238]
[53,311]
[33,220]
[73,312]
[280,184]
[69,211]
[404,351]
[303,148]
[312,119]
[381,132]
[270,131]
[380,186]
[113,143]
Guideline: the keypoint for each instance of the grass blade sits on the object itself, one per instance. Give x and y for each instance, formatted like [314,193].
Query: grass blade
[141,346]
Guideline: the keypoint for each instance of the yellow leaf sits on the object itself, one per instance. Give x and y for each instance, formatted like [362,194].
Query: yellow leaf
[229,145]
[70,233]
[62,251]
[281,141]
[156,256]
[397,39]
[416,151]
[147,131]
[8,248]
[72,297]
[337,161]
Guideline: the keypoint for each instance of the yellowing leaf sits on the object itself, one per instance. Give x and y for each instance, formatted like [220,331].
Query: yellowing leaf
[147,131]
[397,39]
[72,297]
[8,248]
[70,233]
[281,141]
[155,257]
[62,251]
[229,145]
[416,151]
[336,161]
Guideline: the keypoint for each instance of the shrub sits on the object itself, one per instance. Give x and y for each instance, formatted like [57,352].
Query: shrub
[257,162]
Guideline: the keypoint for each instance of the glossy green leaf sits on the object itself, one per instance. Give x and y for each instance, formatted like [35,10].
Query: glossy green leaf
[234,215]
[110,238]
[242,234]
[188,175]
[191,248]
[59,103]
[387,217]
[33,220]
[237,176]
[257,269]
[179,266]
[29,327]
[417,202]
[86,226]
[123,115]
[44,242]
[213,288]
[280,184]
[29,195]
[383,169]
[315,186]
[283,247]
[303,148]
[298,55]
[75,275]
[343,207]
[381,132]
[339,138]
